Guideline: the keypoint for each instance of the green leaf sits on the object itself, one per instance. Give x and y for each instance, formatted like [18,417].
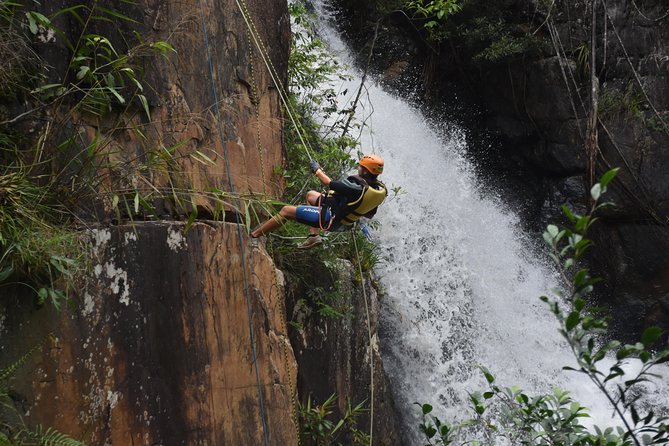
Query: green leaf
[202,158]
[6,273]
[247,208]
[116,14]
[42,295]
[45,87]
[32,24]
[145,105]
[426,408]
[40,18]
[582,223]
[596,191]
[608,176]
[569,214]
[119,98]
[572,320]
[83,71]
[650,335]
[581,278]
[192,216]
[488,376]
[552,230]
[644,356]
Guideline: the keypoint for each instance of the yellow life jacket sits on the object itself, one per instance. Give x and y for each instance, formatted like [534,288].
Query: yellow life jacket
[370,199]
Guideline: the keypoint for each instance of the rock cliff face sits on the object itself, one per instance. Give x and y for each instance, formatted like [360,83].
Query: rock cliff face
[163,343]
[536,105]
[158,349]
[335,354]
[235,116]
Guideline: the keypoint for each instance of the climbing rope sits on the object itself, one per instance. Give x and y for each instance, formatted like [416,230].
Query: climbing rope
[283,96]
[371,348]
[239,231]
[255,99]
[291,388]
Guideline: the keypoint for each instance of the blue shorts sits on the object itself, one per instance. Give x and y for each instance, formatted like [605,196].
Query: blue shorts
[308,215]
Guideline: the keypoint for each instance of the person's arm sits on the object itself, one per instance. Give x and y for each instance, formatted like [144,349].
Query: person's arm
[316,169]
[322,177]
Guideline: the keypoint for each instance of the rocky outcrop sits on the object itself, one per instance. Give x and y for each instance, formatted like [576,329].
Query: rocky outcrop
[199,126]
[339,353]
[158,347]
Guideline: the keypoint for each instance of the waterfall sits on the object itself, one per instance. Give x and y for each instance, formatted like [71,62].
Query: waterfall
[461,283]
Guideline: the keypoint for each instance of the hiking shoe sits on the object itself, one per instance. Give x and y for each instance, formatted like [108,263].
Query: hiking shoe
[310,242]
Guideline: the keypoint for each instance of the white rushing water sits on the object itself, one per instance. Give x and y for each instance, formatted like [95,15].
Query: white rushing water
[461,286]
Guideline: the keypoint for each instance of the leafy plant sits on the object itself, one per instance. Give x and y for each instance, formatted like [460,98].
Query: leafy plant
[318,429]
[434,15]
[45,176]
[98,75]
[34,250]
[655,123]
[582,56]
[492,39]
[614,102]
[554,418]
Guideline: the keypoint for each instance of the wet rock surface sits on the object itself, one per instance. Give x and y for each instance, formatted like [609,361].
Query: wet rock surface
[156,348]
[339,354]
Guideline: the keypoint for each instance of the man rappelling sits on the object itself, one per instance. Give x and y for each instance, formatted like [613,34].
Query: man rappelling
[338,209]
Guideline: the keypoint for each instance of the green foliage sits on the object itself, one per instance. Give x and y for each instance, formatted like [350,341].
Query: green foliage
[434,15]
[47,172]
[523,419]
[582,56]
[436,432]
[616,103]
[34,249]
[312,99]
[656,123]
[318,429]
[99,76]
[493,39]
[482,31]
[41,437]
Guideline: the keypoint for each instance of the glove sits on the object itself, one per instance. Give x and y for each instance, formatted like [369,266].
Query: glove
[314,166]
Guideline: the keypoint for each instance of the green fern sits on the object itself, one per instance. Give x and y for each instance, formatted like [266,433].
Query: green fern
[9,371]
[50,437]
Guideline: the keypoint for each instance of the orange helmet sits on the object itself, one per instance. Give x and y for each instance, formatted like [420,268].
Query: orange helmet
[373,163]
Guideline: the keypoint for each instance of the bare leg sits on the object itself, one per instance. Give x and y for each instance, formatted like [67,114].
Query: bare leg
[312,197]
[286,212]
